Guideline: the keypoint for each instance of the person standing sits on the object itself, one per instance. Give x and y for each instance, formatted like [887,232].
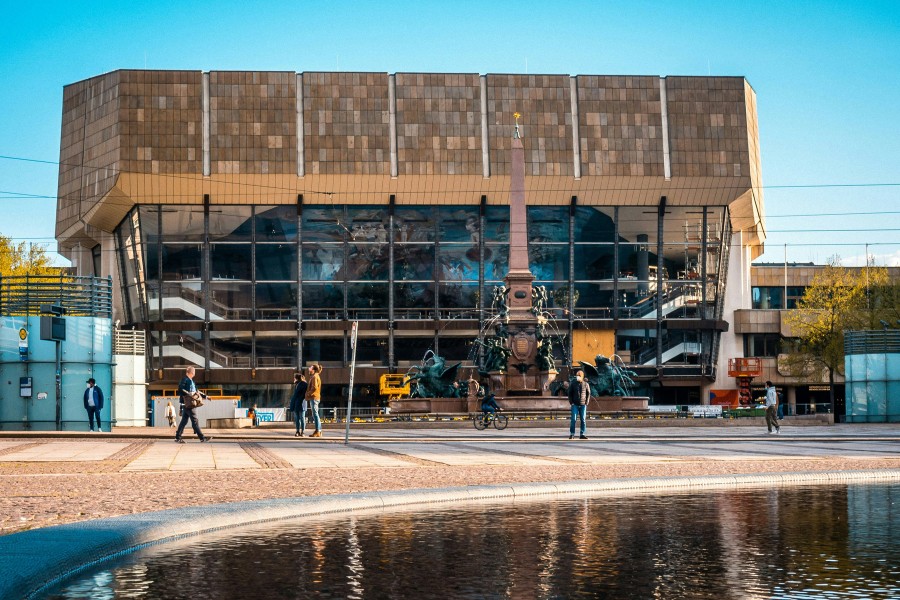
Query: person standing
[314,396]
[298,404]
[93,403]
[579,395]
[170,414]
[188,392]
[772,408]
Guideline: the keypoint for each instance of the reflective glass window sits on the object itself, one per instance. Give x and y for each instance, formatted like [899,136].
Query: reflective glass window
[594,261]
[412,350]
[414,224]
[367,224]
[458,298]
[373,297]
[414,262]
[683,224]
[276,300]
[595,224]
[230,223]
[181,261]
[458,263]
[496,227]
[182,300]
[459,224]
[230,349]
[637,222]
[276,349]
[323,224]
[231,301]
[325,351]
[182,223]
[548,224]
[418,295]
[230,261]
[276,262]
[458,349]
[368,261]
[322,296]
[323,262]
[276,223]
[549,261]
[496,261]
[371,350]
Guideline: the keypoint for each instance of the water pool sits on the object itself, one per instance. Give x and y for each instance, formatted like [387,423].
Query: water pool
[784,542]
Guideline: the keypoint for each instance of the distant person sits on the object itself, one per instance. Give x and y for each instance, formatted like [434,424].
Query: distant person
[299,404]
[93,403]
[191,397]
[772,408]
[314,396]
[579,395]
[170,414]
[780,406]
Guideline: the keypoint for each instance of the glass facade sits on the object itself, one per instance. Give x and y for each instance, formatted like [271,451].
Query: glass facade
[229,276]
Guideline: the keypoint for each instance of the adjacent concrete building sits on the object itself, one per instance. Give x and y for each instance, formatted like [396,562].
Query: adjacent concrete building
[248,218]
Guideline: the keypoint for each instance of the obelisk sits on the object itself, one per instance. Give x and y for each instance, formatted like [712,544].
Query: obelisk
[522,376]
[519,278]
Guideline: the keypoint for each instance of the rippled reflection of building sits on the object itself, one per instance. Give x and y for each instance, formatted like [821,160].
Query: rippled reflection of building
[255,215]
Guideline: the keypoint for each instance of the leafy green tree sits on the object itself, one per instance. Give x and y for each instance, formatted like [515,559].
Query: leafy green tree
[24,259]
[838,299]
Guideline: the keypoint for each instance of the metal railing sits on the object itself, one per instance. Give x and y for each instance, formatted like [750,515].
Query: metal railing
[79,296]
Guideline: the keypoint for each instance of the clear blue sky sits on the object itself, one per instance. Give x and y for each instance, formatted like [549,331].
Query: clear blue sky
[826,75]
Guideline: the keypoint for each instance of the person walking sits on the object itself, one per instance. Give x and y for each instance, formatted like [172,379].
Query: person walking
[299,404]
[170,414]
[190,396]
[579,395]
[93,403]
[314,396]
[772,408]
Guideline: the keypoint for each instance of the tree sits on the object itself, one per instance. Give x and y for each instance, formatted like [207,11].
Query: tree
[838,299]
[24,259]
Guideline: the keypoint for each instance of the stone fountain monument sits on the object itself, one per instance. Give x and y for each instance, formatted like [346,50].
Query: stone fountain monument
[518,364]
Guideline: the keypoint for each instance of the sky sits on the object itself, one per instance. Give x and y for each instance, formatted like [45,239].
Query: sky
[826,76]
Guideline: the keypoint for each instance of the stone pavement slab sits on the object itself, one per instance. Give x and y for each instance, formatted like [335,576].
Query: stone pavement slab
[65,451]
[305,455]
[461,454]
[169,456]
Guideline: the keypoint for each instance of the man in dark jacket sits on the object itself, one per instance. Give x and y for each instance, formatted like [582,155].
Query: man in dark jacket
[579,395]
[298,404]
[93,402]
[188,392]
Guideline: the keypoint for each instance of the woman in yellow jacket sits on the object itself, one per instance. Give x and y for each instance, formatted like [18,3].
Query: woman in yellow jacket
[313,396]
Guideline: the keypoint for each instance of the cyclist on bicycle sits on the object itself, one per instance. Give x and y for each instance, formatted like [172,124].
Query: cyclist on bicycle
[488,403]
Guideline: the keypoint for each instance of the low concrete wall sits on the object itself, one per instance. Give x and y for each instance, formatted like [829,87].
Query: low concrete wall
[232,423]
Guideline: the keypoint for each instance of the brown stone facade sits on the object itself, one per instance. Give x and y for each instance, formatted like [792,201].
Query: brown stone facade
[131,137]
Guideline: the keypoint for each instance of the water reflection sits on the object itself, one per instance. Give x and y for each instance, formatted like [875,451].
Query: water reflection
[801,542]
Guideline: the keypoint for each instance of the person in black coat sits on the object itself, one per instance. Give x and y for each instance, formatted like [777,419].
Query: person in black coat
[93,402]
[188,391]
[298,404]
[579,395]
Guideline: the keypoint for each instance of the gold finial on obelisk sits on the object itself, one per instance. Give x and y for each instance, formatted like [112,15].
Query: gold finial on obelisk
[516,116]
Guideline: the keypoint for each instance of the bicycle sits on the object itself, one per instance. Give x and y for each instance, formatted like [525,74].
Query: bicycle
[485,419]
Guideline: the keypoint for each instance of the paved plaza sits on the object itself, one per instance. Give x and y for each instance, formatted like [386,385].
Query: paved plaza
[54,478]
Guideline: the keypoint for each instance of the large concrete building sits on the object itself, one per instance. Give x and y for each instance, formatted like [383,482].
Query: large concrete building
[248,218]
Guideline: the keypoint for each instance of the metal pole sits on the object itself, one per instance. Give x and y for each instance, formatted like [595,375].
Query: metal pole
[354,330]
[58,387]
